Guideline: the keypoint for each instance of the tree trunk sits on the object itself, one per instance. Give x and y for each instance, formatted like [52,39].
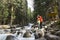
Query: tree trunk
[11,15]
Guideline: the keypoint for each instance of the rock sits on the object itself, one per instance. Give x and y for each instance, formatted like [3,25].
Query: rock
[11,38]
[4,26]
[52,37]
[52,32]
[38,34]
[27,34]
[57,33]
[42,38]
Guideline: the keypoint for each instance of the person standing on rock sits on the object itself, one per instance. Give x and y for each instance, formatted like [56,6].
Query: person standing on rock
[39,21]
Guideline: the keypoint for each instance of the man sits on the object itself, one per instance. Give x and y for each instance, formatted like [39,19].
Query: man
[39,20]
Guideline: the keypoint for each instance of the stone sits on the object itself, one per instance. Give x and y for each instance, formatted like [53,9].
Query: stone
[52,37]
[57,33]
[27,34]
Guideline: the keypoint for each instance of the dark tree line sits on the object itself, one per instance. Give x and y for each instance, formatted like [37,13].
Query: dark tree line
[13,12]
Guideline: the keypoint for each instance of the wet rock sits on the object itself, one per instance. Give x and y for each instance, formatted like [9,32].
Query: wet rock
[11,38]
[27,34]
[52,32]
[57,33]
[42,38]
[38,34]
[52,37]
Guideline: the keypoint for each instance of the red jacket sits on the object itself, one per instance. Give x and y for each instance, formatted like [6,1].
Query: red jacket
[40,19]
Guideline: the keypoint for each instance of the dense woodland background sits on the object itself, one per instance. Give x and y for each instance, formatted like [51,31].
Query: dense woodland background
[17,12]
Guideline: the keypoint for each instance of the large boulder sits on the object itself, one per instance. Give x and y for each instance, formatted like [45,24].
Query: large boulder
[52,37]
[27,34]
[57,33]
[10,37]
[38,34]
[52,32]
[4,26]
